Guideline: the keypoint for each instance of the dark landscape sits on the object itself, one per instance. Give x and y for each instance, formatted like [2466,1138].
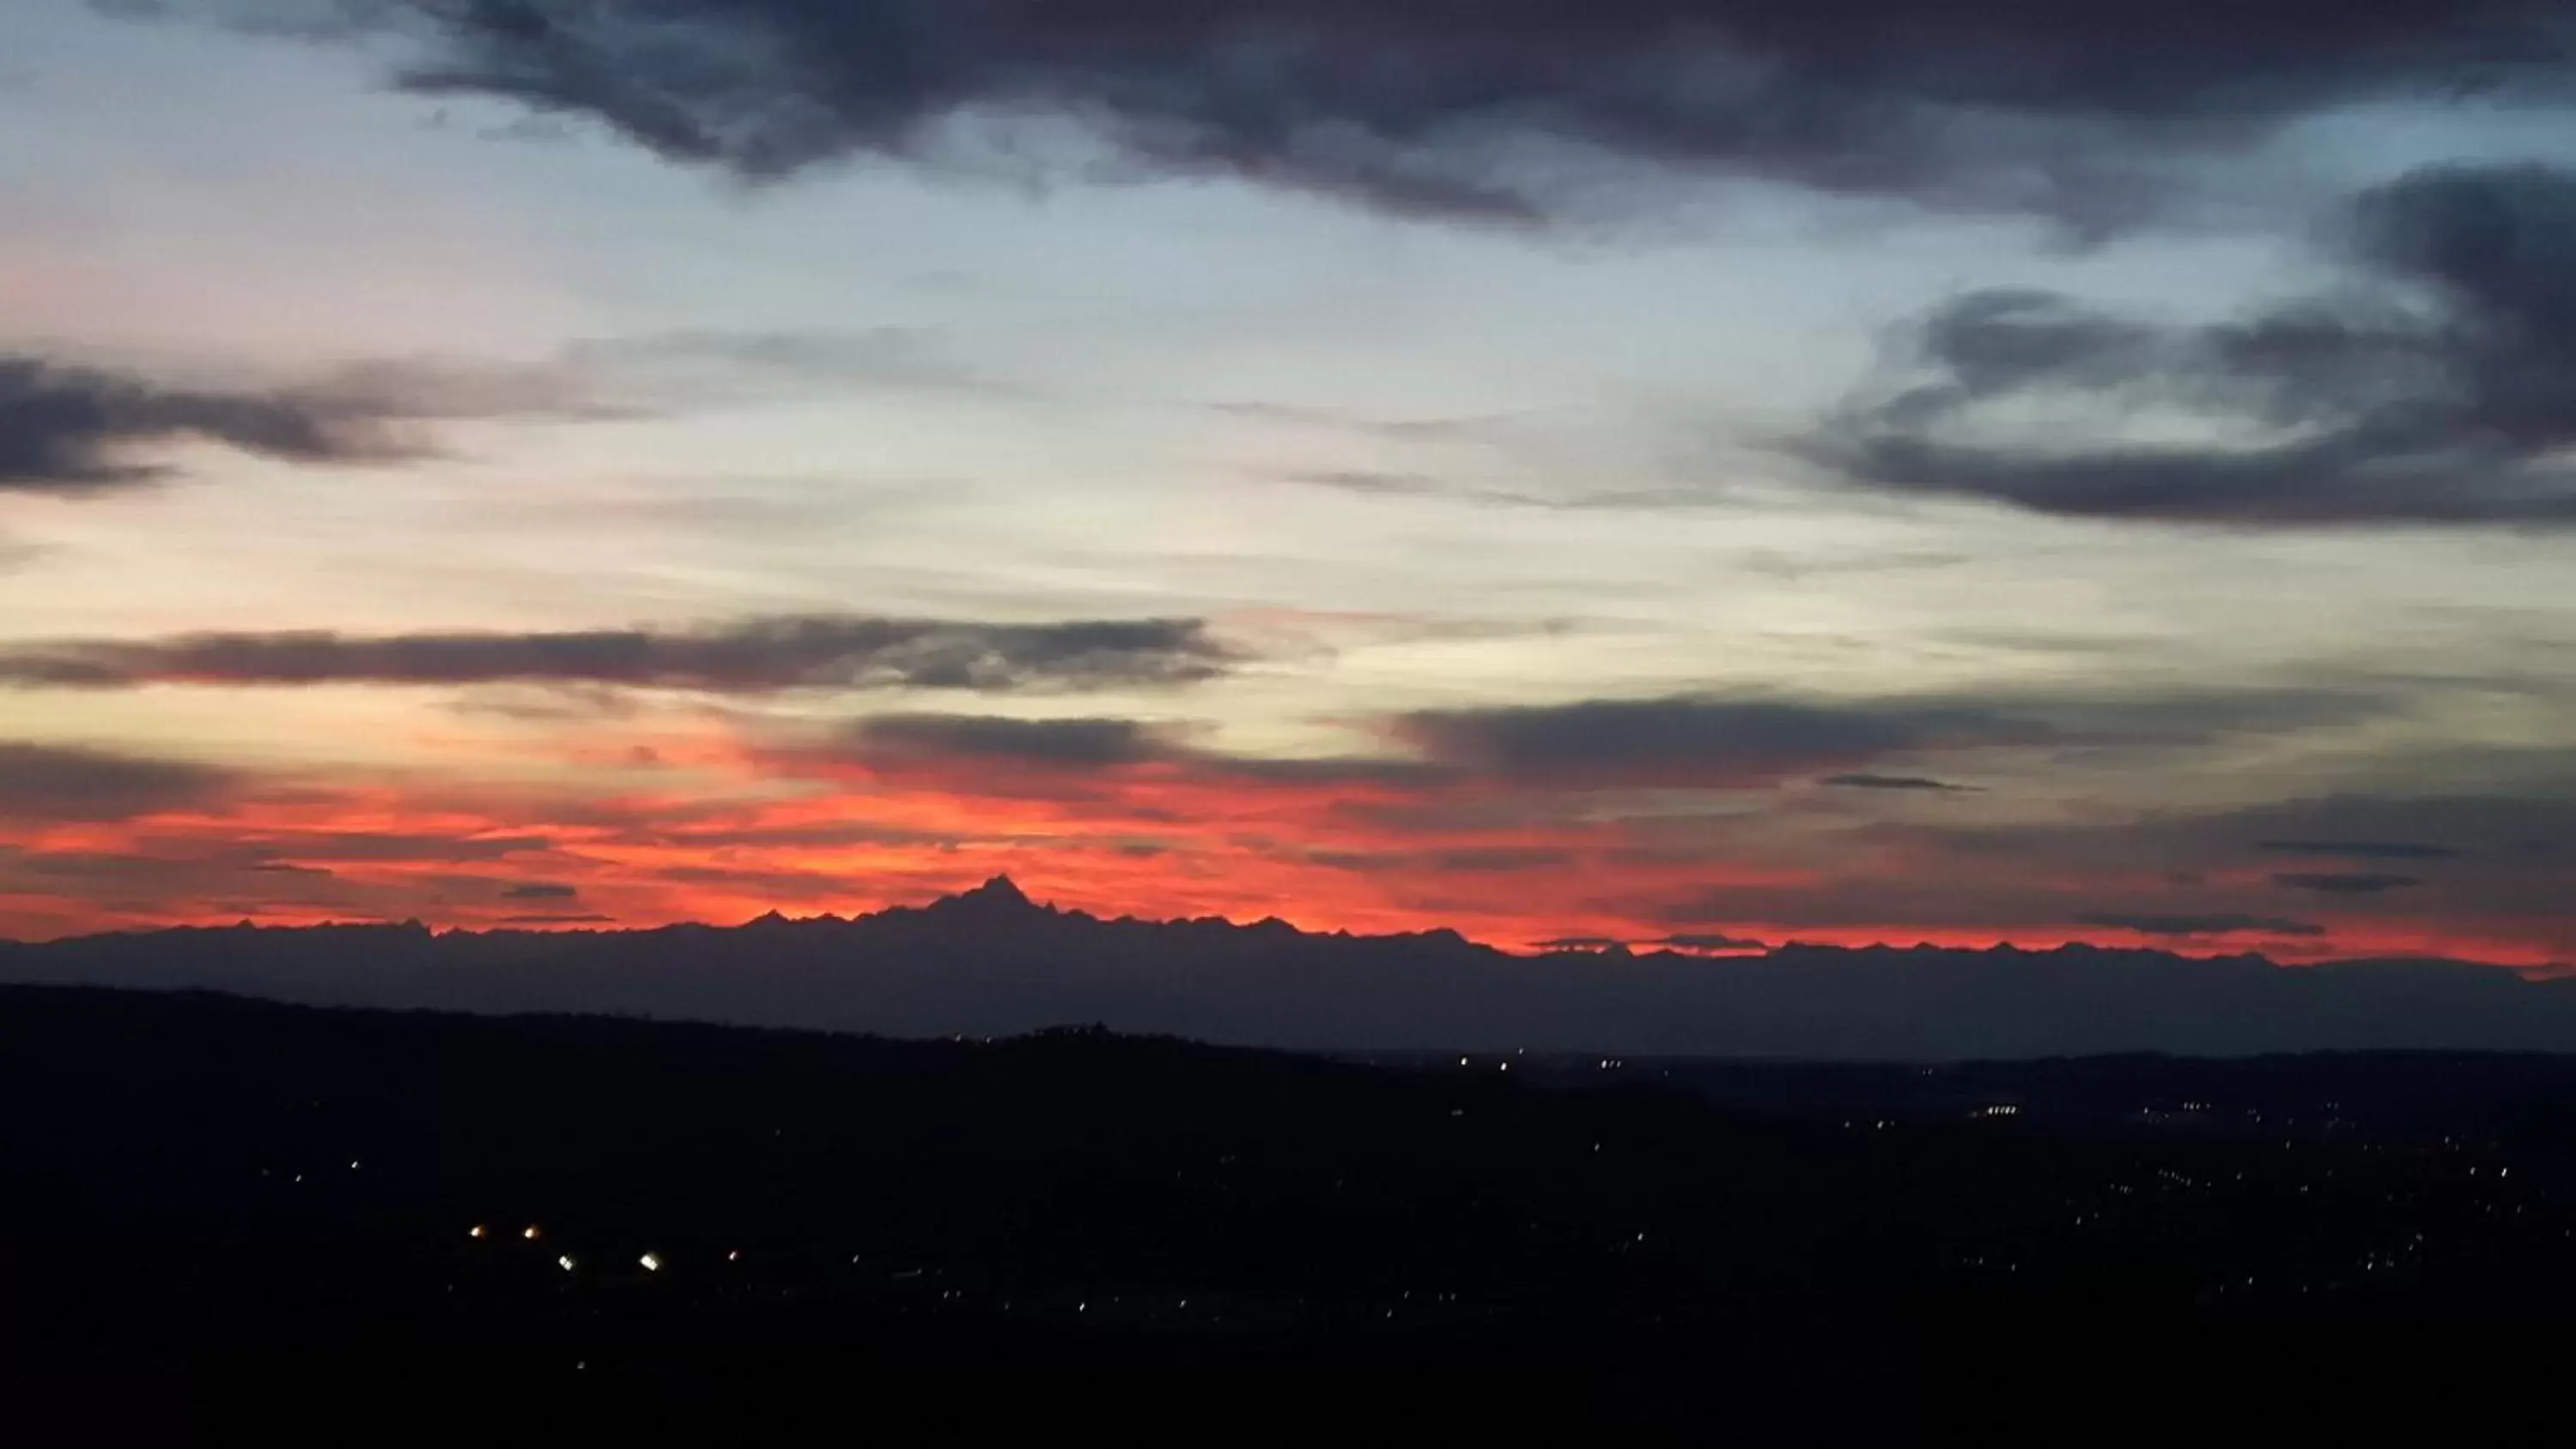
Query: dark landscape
[229,1218]
[989,961]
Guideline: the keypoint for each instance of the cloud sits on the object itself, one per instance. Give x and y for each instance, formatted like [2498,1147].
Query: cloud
[1863,780]
[2440,390]
[47,782]
[1500,859]
[1370,483]
[748,656]
[585,919]
[1069,742]
[2362,849]
[15,554]
[1497,110]
[1697,740]
[540,891]
[1704,941]
[265,849]
[71,430]
[1143,772]
[1457,758]
[2358,883]
[1457,860]
[2214,924]
[692,367]
[1374,483]
[1718,741]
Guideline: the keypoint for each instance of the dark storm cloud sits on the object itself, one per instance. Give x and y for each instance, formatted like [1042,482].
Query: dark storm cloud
[2340,883]
[73,430]
[749,656]
[2442,392]
[2215,924]
[1863,780]
[1437,106]
[45,782]
[2362,849]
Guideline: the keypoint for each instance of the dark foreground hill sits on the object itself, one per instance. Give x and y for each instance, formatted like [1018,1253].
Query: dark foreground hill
[991,962]
[225,1220]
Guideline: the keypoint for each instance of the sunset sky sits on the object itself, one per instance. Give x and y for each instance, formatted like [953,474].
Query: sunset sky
[1643,470]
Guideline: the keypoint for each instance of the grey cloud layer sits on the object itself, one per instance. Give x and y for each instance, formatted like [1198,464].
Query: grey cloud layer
[1713,740]
[752,656]
[2345,883]
[1694,740]
[988,746]
[40,782]
[2214,924]
[1865,780]
[69,429]
[2444,393]
[1677,741]
[2363,849]
[74,430]
[1423,107]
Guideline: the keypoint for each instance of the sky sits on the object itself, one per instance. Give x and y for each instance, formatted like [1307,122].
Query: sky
[1695,472]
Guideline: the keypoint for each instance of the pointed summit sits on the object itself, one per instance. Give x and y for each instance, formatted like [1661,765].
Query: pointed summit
[1001,891]
[998,901]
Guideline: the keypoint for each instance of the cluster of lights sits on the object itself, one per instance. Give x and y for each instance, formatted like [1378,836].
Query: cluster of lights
[651,1262]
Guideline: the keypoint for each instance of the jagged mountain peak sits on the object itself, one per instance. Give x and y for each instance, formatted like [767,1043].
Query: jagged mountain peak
[999,898]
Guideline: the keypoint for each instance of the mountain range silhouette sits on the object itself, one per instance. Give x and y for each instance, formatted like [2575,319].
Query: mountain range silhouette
[990,961]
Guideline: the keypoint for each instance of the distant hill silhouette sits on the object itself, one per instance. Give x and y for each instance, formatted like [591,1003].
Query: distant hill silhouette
[990,961]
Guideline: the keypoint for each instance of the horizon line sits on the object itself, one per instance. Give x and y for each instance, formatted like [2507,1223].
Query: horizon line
[1661,947]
